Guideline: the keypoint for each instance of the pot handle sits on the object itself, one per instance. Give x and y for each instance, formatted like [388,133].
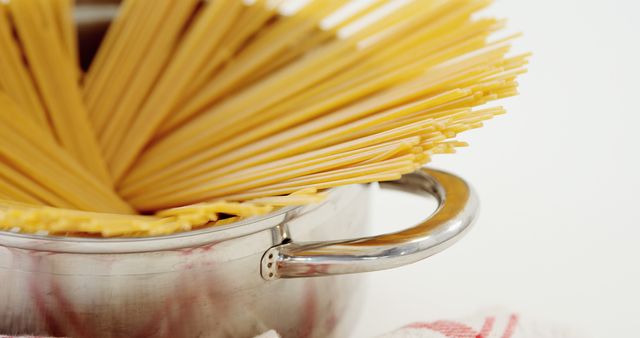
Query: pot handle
[457,209]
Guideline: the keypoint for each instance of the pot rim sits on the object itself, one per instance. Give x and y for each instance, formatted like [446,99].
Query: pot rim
[203,230]
[178,240]
[110,245]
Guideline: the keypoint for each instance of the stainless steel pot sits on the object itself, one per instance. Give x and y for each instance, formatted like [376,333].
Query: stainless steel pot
[235,281]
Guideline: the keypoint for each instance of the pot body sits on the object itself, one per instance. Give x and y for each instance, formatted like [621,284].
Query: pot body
[200,285]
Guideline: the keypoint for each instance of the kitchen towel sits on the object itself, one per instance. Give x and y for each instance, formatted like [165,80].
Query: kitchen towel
[487,324]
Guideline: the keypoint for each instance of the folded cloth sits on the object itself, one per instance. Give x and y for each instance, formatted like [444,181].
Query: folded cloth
[269,334]
[485,325]
[493,324]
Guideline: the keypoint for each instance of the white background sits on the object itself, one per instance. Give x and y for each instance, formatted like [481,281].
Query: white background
[558,236]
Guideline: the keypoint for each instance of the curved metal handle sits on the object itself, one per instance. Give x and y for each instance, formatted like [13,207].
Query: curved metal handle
[457,209]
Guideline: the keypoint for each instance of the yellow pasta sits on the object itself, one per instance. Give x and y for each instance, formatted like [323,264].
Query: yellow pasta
[121,93]
[203,113]
[16,77]
[60,14]
[29,153]
[55,77]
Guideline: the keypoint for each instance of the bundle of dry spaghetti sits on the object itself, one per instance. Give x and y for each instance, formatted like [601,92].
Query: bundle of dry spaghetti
[196,113]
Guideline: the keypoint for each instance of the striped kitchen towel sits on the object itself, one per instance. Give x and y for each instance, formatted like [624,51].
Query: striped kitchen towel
[492,324]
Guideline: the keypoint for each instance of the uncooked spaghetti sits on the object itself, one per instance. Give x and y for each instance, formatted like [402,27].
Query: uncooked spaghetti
[198,113]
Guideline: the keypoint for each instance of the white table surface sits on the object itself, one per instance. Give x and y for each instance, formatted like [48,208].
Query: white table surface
[558,236]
